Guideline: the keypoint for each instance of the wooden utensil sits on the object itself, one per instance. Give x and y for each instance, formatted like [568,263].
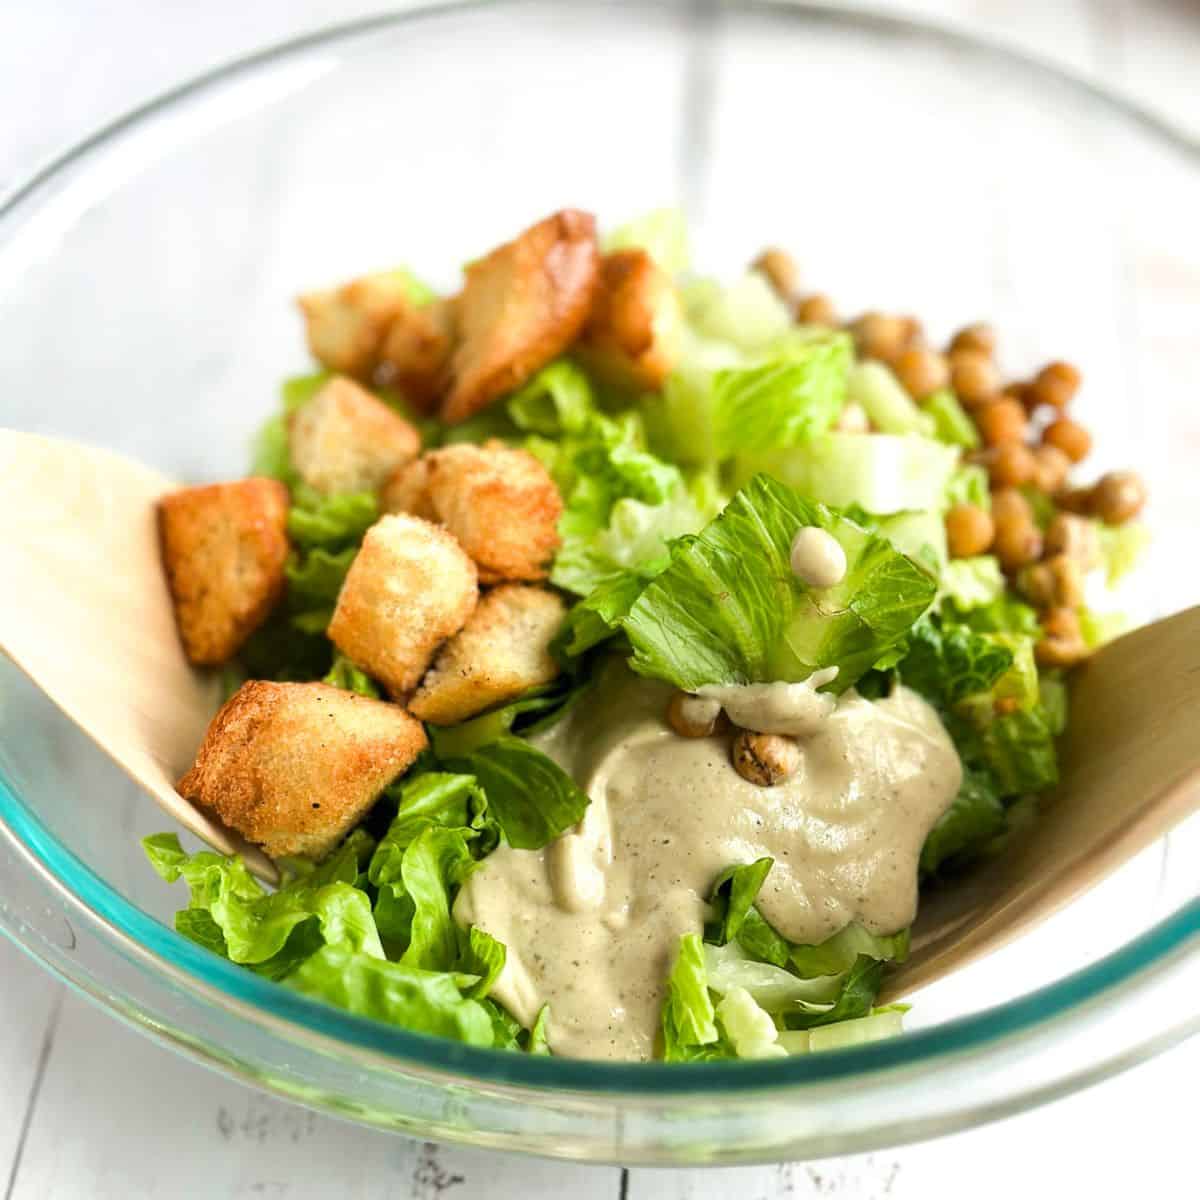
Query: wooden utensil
[86,614]
[1130,770]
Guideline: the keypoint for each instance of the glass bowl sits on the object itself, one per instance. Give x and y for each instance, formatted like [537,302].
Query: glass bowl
[145,285]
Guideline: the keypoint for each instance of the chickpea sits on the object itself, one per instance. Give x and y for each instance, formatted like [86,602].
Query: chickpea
[1076,538]
[974,377]
[1001,423]
[1117,497]
[969,530]
[1074,500]
[1050,469]
[693,716]
[1070,437]
[978,339]
[878,335]
[921,371]
[1055,583]
[1063,644]
[780,269]
[816,309]
[1020,392]
[1055,385]
[1010,465]
[1008,504]
[1017,543]
[765,758]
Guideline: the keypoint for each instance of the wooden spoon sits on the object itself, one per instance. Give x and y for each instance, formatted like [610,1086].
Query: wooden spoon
[86,614]
[1129,771]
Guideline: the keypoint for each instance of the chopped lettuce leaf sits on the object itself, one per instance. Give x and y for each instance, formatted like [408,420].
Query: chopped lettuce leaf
[661,233]
[1018,747]
[840,952]
[538,1042]
[1004,614]
[746,314]
[773,988]
[1122,548]
[951,423]
[966,828]
[732,898]
[557,401]
[919,535]
[1052,692]
[972,582]
[688,1017]
[598,616]
[877,1025]
[860,986]
[345,675]
[398,994]
[314,580]
[968,484]
[891,409]
[749,1028]
[884,473]
[433,867]
[330,521]
[530,796]
[946,664]
[729,609]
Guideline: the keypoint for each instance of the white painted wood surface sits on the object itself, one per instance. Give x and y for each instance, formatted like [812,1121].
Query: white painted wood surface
[90,1109]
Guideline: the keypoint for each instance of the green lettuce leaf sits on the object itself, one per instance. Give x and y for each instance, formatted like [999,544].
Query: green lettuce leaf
[1122,548]
[530,797]
[729,609]
[345,675]
[946,664]
[661,233]
[880,394]
[330,521]
[399,994]
[968,583]
[951,422]
[966,828]
[688,1017]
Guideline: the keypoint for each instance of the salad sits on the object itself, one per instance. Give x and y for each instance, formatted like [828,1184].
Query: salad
[611,653]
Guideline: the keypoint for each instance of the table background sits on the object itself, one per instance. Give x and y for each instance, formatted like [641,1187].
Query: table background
[90,1109]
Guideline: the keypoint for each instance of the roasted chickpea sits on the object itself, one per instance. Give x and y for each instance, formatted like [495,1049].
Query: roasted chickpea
[1050,470]
[1055,583]
[878,335]
[694,716]
[978,339]
[1001,422]
[1019,391]
[1063,644]
[1068,436]
[1017,543]
[1074,500]
[765,758]
[921,371]
[974,377]
[969,530]
[1075,537]
[1010,465]
[816,309]
[1008,504]
[1055,385]
[780,270]
[1117,497]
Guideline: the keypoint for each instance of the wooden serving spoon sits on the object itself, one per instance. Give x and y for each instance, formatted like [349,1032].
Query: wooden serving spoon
[86,614]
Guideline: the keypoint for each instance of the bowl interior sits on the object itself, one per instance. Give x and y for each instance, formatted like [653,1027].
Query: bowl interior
[146,284]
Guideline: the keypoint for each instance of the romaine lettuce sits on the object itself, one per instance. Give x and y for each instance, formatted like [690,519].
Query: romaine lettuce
[728,608]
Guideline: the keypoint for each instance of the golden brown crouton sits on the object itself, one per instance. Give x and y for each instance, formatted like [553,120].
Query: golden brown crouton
[500,503]
[407,490]
[410,587]
[416,353]
[632,337]
[294,767]
[346,440]
[502,651]
[521,305]
[346,326]
[223,546]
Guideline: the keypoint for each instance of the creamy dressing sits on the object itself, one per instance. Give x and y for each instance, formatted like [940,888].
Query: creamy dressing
[817,557]
[592,921]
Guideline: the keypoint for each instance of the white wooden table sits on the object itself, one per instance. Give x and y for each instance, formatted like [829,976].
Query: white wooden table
[90,1109]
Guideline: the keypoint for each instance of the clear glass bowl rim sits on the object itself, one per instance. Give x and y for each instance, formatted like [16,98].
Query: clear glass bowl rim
[301,1018]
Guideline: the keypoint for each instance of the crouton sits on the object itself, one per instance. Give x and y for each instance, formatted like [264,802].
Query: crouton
[346,326]
[502,651]
[500,503]
[293,767]
[632,339]
[521,305]
[410,587]
[346,440]
[407,490]
[224,547]
[416,353]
